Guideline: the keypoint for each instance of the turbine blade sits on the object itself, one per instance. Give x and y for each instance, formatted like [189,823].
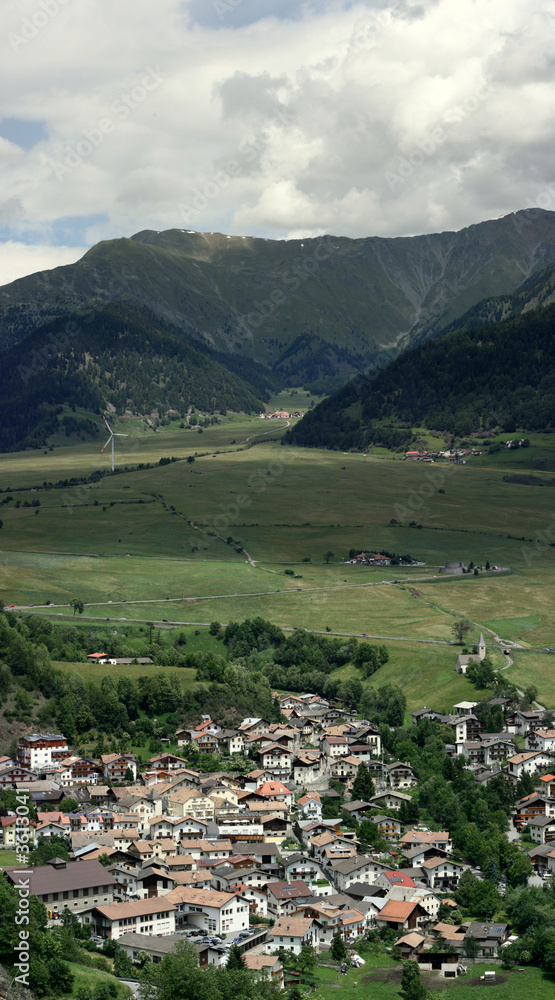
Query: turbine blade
[107,424]
[107,443]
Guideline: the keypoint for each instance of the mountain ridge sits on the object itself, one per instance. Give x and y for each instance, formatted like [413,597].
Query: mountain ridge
[361,300]
[467,381]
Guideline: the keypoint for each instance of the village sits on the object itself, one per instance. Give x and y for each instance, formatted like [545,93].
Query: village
[273,860]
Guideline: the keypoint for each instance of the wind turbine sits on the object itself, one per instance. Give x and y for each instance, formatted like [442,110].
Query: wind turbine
[113,434]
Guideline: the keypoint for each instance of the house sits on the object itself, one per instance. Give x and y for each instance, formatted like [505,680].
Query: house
[521,722]
[12,774]
[401,915]
[450,933]
[542,829]
[388,827]
[155,947]
[191,802]
[299,866]
[77,885]
[400,775]
[178,828]
[276,791]
[540,739]
[256,898]
[266,967]
[410,944]
[357,869]
[155,917]
[209,910]
[345,767]
[546,785]
[309,807]
[41,750]
[442,873]
[167,762]
[530,807]
[276,759]
[309,766]
[438,839]
[489,936]
[291,934]
[230,741]
[396,879]
[81,771]
[389,799]
[358,809]
[285,897]
[11,829]
[447,964]
[117,765]
[527,763]
[335,746]
[426,713]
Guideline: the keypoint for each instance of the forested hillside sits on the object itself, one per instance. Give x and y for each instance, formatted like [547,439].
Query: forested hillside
[124,357]
[463,382]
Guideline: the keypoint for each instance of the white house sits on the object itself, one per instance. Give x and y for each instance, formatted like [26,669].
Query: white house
[208,910]
[143,916]
[540,739]
[291,933]
[527,763]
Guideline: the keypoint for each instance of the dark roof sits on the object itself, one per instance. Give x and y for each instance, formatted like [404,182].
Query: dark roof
[358,890]
[288,890]
[484,931]
[75,875]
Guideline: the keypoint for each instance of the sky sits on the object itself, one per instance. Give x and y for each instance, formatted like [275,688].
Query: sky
[275,118]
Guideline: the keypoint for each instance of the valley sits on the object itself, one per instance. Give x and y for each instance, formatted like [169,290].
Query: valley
[241,527]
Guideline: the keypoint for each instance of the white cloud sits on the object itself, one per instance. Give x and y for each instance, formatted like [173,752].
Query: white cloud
[19,259]
[277,126]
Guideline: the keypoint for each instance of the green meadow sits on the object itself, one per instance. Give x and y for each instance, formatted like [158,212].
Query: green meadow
[384,983]
[212,539]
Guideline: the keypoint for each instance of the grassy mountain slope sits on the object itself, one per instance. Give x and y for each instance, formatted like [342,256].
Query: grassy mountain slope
[467,380]
[307,308]
[536,291]
[118,356]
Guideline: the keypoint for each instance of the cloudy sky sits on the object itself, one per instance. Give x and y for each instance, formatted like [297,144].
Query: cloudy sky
[278,118]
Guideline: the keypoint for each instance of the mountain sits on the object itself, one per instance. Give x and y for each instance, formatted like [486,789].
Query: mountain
[306,309]
[539,290]
[502,374]
[120,357]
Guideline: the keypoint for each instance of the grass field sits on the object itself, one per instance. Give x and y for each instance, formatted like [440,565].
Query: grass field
[8,858]
[188,539]
[381,984]
[537,669]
